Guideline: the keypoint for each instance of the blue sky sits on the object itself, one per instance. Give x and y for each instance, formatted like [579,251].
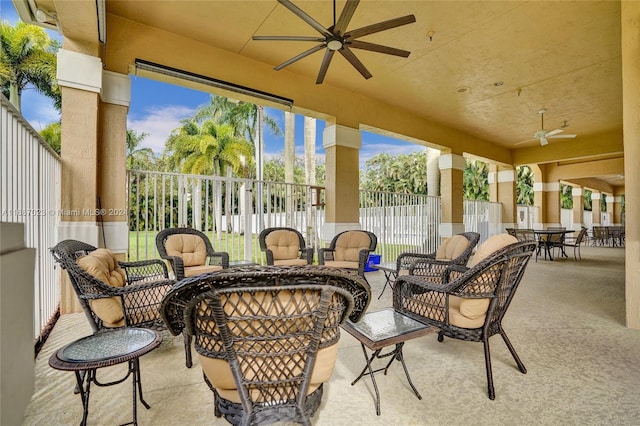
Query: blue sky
[157,108]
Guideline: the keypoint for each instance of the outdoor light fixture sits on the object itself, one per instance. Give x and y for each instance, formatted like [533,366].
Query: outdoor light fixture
[141,64]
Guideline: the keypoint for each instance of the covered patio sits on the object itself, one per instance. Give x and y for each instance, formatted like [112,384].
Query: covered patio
[566,322]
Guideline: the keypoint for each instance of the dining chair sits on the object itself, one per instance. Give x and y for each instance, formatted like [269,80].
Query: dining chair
[576,243]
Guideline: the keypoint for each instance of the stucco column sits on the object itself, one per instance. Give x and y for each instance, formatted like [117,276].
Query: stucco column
[80,80]
[550,214]
[609,200]
[112,151]
[630,13]
[617,210]
[451,194]
[502,189]
[595,208]
[342,183]
[578,207]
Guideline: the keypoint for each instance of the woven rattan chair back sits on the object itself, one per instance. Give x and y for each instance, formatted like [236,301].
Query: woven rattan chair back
[328,254]
[177,264]
[304,252]
[428,265]
[268,324]
[495,278]
[147,282]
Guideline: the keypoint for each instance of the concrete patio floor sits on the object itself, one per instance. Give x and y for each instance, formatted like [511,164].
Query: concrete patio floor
[566,323]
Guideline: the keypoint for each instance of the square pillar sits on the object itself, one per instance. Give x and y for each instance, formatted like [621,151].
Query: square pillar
[502,189]
[452,193]
[595,208]
[578,207]
[342,183]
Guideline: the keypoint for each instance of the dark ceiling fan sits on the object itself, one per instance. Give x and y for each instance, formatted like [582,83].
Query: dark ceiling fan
[337,38]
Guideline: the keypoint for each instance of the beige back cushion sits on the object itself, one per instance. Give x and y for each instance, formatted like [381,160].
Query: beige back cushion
[218,371]
[102,265]
[490,246]
[349,245]
[452,247]
[189,247]
[284,244]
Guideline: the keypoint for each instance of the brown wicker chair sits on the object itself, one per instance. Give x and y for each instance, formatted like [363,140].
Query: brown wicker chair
[125,294]
[453,251]
[266,336]
[285,247]
[469,303]
[349,250]
[189,252]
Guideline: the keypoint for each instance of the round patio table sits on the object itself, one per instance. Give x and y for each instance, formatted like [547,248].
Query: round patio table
[104,349]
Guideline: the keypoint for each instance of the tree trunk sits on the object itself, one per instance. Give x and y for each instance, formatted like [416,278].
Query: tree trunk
[310,176]
[289,162]
[14,96]
[433,172]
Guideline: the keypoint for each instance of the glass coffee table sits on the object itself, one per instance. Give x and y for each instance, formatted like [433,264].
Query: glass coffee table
[379,329]
[104,349]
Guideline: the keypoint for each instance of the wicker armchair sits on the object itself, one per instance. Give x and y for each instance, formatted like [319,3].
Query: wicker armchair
[470,303]
[267,337]
[453,251]
[285,247]
[349,250]
[189,252]
[112,293]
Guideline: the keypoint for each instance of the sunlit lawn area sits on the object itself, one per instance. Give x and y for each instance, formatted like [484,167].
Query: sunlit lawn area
[142,245]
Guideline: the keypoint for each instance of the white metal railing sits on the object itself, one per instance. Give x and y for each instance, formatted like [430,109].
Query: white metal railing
[402,222]
[225,209]
[483,217]
[30,194]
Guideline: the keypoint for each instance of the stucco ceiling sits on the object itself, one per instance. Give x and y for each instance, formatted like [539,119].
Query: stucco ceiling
[487,69]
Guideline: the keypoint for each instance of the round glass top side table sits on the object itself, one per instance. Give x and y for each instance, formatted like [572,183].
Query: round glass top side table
[104,349]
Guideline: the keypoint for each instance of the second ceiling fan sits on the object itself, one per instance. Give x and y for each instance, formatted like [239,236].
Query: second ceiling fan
[337,38]
[544,135]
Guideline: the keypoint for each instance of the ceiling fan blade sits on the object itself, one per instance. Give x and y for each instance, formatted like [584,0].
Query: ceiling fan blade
[553,132]
[356,44]
[306,18]
[525,141]
[328,55]
[543,141]
[348,54]
[380,26]
[288,38]
[300,56]
[567,136]
[345,16]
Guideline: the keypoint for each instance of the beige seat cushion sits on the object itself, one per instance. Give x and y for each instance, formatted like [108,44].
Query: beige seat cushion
[189,247]
[467,313]
[190,271]
[102,265]
[349,245]
[452,247]
[220,376]
[283,244]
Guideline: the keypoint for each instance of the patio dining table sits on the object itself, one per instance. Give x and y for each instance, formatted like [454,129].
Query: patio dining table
[547,243]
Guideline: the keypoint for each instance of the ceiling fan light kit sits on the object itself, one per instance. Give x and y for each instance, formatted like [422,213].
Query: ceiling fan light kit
[336,38]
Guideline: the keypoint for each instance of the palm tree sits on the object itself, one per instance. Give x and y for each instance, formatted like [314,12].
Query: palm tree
[138,158]
[27,57]
[211,148]
[524,186]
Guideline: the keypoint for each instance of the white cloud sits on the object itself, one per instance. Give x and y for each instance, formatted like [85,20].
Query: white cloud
[38,109]
[158,124]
